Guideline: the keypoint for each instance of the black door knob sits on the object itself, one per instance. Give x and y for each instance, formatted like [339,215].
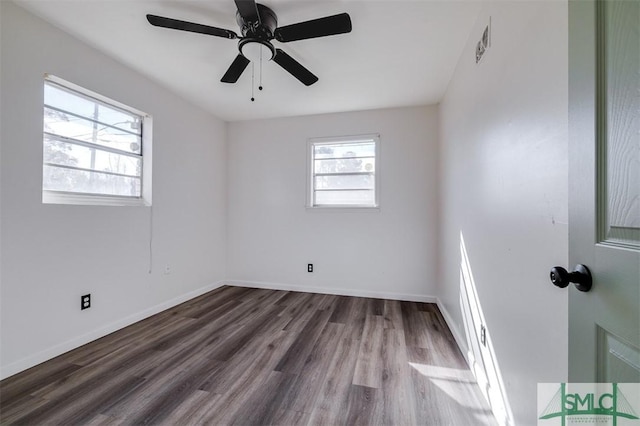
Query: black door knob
[580,277]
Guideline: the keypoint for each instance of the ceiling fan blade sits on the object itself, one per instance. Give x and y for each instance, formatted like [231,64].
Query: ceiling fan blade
[175,24]
[321,27]
[294,68]
[248,10]
[235,70]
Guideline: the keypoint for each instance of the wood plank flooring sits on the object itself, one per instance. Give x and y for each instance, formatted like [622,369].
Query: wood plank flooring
[242,356]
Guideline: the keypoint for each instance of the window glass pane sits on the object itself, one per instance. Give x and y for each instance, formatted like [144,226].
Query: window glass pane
[91,146]
[77,104]
[341,150]
[344,172]
[345,182]
[67,154]
[69,180]
[351,165]
[67,125]
[347,198]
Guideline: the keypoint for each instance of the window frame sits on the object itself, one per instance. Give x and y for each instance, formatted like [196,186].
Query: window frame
[81,198]
[338,140]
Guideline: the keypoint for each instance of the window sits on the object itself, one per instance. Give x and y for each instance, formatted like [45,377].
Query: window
[95,150]
[343,171]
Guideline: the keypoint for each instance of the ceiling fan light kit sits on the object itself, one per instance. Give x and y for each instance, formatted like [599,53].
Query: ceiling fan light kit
[258,27]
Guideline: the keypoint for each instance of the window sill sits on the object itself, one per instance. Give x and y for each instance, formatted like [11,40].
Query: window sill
[49,197]
[347,208]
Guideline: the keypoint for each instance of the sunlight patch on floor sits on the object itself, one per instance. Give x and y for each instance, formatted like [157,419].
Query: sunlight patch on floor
[460,386]
[444,373]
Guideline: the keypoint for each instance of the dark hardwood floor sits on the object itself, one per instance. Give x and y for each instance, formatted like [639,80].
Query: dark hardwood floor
[241,356]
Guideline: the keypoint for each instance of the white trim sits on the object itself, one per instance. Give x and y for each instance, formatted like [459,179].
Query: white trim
[147,159]
[47,354]
[91,94]
[53,197]
[342,209]
[361,137]
[459,337]
[336,291]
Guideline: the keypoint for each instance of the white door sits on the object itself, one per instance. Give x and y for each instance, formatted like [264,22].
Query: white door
[604,189]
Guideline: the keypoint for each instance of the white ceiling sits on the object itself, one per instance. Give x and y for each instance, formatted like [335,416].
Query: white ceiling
[400,53]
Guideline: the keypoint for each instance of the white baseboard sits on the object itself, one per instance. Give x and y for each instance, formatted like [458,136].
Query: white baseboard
[52,352]
[457,335]
[336,291]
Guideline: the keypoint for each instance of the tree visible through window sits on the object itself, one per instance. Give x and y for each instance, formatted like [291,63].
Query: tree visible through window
[343,172]
[90,146]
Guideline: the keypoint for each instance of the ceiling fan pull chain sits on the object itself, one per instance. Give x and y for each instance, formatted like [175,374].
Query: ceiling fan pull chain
[252,81]
[260,86]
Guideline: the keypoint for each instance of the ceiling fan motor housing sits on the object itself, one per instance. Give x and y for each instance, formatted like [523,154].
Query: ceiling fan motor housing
[258,33]
[262,30]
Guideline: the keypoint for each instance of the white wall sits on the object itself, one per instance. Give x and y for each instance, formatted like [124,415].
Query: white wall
[503,157]
[52,254]
[272,236]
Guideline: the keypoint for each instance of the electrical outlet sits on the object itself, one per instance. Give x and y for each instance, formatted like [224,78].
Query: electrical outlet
[483,335]
[85,302]
[310,267]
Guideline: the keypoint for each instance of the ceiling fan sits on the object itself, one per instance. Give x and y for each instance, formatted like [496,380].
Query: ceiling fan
[259,26]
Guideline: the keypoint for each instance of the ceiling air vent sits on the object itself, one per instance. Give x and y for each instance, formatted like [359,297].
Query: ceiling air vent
[484,43]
